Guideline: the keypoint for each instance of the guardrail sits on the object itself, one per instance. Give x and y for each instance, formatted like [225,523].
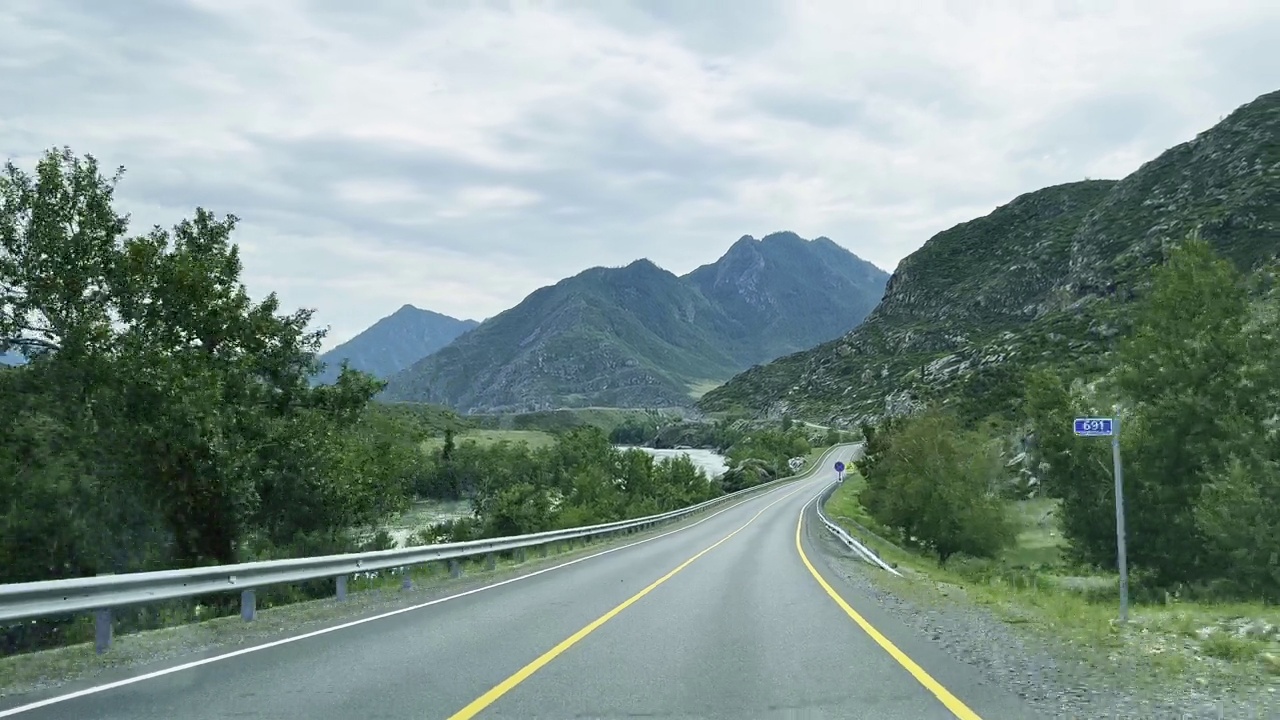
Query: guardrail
[101,594]
[841,534]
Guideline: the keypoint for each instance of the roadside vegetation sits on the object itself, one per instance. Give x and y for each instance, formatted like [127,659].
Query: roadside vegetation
[1018,513]
[164,418]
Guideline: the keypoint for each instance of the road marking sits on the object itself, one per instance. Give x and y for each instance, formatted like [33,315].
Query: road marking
[497,691]
[952,703]
[10,712]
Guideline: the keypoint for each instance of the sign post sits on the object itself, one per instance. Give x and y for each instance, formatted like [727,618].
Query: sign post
[840,470]
[1110,427]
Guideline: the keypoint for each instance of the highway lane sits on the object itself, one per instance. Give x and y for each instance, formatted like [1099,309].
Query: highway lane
[721,619]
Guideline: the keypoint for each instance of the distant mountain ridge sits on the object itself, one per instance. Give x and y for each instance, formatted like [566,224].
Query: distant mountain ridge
[755,284]
[640,336]
[394,343]
[1042,280]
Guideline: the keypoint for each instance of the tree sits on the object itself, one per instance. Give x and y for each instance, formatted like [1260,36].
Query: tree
[1185,372]
[190,403]
[939,487]
[1239,514]
[876,441]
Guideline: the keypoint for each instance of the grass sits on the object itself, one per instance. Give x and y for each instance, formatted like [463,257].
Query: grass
[814,455]
[702,387]
[534,438]
[1030,585]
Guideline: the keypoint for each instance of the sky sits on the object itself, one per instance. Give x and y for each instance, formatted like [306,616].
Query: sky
[458,155]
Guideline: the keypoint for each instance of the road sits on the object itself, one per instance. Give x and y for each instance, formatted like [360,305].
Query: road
[737,616]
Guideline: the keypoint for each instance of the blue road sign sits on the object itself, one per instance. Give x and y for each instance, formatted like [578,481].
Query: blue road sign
[839,466]
[1094,427]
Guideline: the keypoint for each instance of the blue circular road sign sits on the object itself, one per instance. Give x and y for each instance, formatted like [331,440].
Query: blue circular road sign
[839,466]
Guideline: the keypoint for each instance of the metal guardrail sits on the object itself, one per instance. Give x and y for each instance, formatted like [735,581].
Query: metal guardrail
[841,534]
[22,601]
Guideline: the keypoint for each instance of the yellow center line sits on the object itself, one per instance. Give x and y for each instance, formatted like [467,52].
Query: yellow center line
[506,686]
[952,703]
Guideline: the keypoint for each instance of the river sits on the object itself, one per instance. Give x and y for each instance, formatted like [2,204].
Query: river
[424,514]
[711,462]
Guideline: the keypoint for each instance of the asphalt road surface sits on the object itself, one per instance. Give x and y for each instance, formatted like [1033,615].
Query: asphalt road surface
[738,616]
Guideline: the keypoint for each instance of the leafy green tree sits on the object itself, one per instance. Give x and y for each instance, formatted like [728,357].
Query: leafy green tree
[938,485]
[1239,514]
[190,403]
[516,510]
[1185,372]
[876,439]
[773,448]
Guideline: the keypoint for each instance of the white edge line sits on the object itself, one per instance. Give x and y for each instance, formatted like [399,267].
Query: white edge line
[342,626]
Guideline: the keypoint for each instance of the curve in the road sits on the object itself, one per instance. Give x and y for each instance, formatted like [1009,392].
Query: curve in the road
[662,627]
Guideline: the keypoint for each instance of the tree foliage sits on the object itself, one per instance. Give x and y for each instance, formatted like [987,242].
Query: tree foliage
[165,418]
[582,479]
[938,486]
[1198,381]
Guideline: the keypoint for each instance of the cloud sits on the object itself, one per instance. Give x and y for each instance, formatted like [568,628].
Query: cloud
[457,156]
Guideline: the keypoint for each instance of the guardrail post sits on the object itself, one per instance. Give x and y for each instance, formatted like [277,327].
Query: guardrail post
[406,581]
[520,555]
[544,549]
[455,569]
[102,630]
[341,582]
[248,605]
[491,561]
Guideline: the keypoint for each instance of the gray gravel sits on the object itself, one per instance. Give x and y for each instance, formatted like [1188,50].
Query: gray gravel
[1047,677]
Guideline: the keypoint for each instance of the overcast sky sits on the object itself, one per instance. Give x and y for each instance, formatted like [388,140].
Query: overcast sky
[458,155]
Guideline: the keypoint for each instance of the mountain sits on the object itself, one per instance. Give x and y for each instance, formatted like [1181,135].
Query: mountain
[394,343]
[785,293]
[1041,280]
[640,336]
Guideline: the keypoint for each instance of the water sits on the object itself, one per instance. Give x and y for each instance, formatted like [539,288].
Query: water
[711,462]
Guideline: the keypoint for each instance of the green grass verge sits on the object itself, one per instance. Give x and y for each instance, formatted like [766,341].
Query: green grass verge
[815,455]
[1029,585]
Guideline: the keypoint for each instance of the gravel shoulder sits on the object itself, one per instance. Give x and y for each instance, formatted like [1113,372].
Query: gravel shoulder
[1063,673]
